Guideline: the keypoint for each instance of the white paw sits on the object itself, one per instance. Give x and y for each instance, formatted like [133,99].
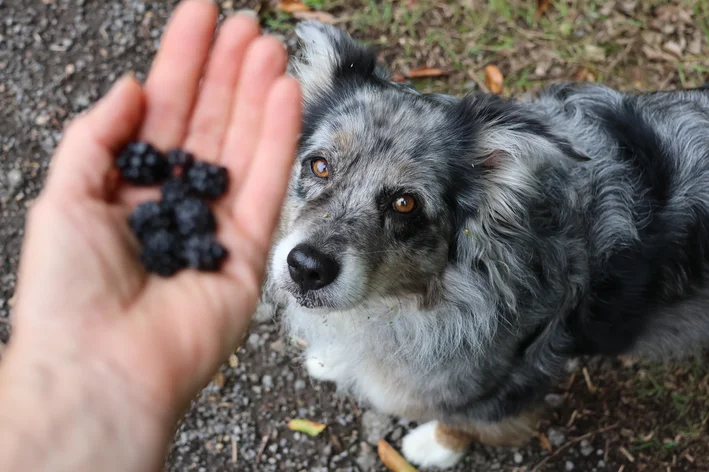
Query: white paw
[421,448]
[321,368]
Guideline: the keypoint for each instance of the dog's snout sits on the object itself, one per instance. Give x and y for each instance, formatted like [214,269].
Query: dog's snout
[310,268]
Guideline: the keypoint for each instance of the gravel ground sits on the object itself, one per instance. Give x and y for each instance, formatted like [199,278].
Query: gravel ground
[59,56]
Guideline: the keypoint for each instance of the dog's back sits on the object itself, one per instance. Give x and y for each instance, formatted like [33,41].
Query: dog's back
[646,192]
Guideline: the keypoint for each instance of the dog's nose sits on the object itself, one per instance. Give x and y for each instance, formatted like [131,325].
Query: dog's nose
[310,268]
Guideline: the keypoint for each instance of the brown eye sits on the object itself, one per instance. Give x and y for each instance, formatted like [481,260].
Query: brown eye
[404,204]
[320,169]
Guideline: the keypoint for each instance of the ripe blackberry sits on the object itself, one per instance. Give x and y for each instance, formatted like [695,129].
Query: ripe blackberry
[149,217]
[207,180]
[203,252]
[179,160]
[174,190]
[194,216]
[142,164]
[162,253]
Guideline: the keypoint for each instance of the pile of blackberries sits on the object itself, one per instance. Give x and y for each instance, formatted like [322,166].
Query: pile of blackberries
[177,231]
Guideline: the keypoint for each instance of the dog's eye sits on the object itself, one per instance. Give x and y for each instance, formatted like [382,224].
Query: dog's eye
[404,203]
[320,168]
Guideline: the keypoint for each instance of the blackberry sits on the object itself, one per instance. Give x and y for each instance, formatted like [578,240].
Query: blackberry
[207,180]
[194,216]
[179,160]
[162,253]
[142,164]
[149,217]
[203,252]
[174,190]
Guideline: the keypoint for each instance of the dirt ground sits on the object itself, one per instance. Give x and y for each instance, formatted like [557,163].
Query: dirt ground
[58,56]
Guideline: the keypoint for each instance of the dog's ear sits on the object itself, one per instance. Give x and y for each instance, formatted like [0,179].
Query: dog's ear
[330,55]
[509,144]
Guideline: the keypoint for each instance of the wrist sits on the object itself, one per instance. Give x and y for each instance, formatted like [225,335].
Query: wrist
[62,413]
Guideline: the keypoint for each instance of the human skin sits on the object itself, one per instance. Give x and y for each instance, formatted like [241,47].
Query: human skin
[104,358]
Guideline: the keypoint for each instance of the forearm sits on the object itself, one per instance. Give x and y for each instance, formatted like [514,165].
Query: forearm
[65,420]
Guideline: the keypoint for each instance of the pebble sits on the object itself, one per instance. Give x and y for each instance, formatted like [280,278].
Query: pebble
[397,434]
[299,384]
[556,437]
[518,458]
[375,426]
[15,179]
[572,365]
[367,459]
[569,465]
[267,381]
[554,400]
[586,448]
[254,340]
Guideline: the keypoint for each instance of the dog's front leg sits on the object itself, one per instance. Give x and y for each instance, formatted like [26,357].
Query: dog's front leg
[435,444]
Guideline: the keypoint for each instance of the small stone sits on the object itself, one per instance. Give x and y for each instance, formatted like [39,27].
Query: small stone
[518,458]
[279,346]
[254,340]
[556,437]
[15,179]
[569,465]
[267,381]
[586,448]
[42,119]
[367,459]
[554,400]
[572,365]
[601,463]
[397,434]
[299,384]
[375,426]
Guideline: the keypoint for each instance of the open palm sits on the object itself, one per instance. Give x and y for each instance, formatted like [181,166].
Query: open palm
[81,288]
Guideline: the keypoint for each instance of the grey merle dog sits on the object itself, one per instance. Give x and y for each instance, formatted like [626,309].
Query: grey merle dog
[444,257]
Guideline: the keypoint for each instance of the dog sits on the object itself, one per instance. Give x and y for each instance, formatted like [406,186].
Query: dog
[443,257]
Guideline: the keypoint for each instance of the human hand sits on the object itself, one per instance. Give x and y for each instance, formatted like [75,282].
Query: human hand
[84,306]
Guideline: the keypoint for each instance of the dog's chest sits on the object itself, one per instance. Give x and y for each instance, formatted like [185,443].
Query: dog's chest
[350,349]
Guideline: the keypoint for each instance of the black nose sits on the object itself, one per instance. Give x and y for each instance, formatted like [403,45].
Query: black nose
[310,268]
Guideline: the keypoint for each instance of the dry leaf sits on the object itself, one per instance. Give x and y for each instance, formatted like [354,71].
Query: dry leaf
[426,72]
[544,442]
[292,6]
[392,459]
[542,6]
[321,16]
[308,427]
[493,78]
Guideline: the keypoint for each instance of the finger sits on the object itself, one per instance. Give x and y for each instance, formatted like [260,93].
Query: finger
[259,201]
[172,84]
[85,157]
[265,62]
[213,109]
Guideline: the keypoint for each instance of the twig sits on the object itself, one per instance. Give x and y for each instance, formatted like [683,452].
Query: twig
[262,447]
[591,388]
[572,419]
[626,453]
[543,462]
[234,450]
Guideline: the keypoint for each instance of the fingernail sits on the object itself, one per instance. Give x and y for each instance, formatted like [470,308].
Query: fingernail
[247,12]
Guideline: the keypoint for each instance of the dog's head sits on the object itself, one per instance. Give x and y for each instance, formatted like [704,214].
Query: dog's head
[388,181]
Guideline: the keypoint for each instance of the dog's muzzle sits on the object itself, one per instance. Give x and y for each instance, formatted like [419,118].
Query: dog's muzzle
[311,269]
